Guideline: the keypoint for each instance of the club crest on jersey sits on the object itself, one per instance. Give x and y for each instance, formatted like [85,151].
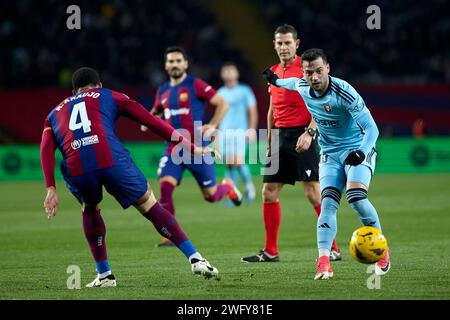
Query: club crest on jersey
[184,97]
[327,108]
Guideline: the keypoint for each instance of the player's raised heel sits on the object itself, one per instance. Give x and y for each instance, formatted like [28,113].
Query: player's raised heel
[108,281]
[204,269]
[235,195]
[324,270]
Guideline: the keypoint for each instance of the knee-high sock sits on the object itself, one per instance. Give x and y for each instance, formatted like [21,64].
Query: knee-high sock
[222,190]
[95,232]
[357,198]
[334,245]
[231,173]
[272,220]
[166,196]
[326,224]
[168,227]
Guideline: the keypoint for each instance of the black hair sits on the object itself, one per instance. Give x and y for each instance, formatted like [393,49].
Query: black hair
[313,54]
[175,49]
[85,76]
[286,28]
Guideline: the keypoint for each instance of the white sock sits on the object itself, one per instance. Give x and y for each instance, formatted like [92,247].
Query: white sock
[104,274]
[196,255]
[324,252]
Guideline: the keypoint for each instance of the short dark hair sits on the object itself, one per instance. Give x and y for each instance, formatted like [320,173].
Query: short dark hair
[175,49]
[313,54]
[286,28]
[85,76]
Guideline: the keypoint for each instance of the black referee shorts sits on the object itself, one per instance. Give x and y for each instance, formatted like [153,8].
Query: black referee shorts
[285,165]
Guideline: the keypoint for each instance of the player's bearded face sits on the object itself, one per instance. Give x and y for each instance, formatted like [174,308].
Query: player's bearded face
[286,46]
[316,73]
[176,65]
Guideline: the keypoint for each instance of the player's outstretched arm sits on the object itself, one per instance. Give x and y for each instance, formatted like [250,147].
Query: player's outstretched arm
[47,149]
[272,78]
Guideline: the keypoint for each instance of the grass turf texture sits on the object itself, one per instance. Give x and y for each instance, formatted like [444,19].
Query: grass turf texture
[35,252]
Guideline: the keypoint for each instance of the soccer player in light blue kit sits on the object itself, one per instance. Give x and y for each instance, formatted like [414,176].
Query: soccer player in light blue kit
[347,139]
[237,126]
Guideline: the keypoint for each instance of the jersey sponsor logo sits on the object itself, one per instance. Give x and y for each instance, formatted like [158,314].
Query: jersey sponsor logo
[308,172]
[175,112]
[327,108]
[184,97]
[328,123]
[86,141]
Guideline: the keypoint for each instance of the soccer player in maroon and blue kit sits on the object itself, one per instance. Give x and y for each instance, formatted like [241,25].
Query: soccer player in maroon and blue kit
[182,101]
[82,128]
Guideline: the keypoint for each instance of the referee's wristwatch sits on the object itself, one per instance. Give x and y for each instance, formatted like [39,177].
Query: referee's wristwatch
[311,132]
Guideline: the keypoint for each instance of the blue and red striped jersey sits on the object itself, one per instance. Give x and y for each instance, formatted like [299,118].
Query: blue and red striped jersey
[184,103]
[83,126]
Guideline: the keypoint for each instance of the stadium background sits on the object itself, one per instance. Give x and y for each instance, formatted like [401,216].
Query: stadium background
[402,71]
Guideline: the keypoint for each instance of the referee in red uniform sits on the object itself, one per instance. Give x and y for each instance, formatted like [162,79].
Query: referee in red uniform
[288,113]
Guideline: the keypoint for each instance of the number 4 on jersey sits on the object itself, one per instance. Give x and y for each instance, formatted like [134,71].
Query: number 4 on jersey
[79,109]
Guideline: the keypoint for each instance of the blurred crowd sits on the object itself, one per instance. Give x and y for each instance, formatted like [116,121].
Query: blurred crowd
[412,45]
[125,40]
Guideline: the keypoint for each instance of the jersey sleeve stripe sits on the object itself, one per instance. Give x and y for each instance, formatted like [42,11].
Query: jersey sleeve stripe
[342,96]
[346,98]
[342,92]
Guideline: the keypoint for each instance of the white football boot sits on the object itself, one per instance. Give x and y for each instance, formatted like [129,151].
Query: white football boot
[108,281]
[204,269]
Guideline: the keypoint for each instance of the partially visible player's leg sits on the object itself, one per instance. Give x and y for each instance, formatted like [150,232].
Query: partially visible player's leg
[170,175]
[129,186]
[88,190]
[313,194]
[332,182]
[358,182]
[167,185]
[205,176]
[359,178]
[272,220]
[167,226]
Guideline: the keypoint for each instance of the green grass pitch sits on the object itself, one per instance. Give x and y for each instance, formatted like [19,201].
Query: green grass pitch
[35,253]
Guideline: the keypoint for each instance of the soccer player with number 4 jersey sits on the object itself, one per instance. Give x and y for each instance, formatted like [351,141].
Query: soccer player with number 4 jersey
[347,137]
[82,128]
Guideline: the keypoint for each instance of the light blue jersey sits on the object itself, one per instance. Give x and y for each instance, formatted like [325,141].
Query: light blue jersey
[240,98]
[345,124]
[342,118]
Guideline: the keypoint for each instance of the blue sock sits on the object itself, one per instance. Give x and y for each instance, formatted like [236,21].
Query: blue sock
[327,224]
[357,198]
[231,173]
[187,248]
[246,176]
[102,266]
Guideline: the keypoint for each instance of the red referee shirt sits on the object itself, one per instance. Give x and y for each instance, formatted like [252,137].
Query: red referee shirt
[289,109]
